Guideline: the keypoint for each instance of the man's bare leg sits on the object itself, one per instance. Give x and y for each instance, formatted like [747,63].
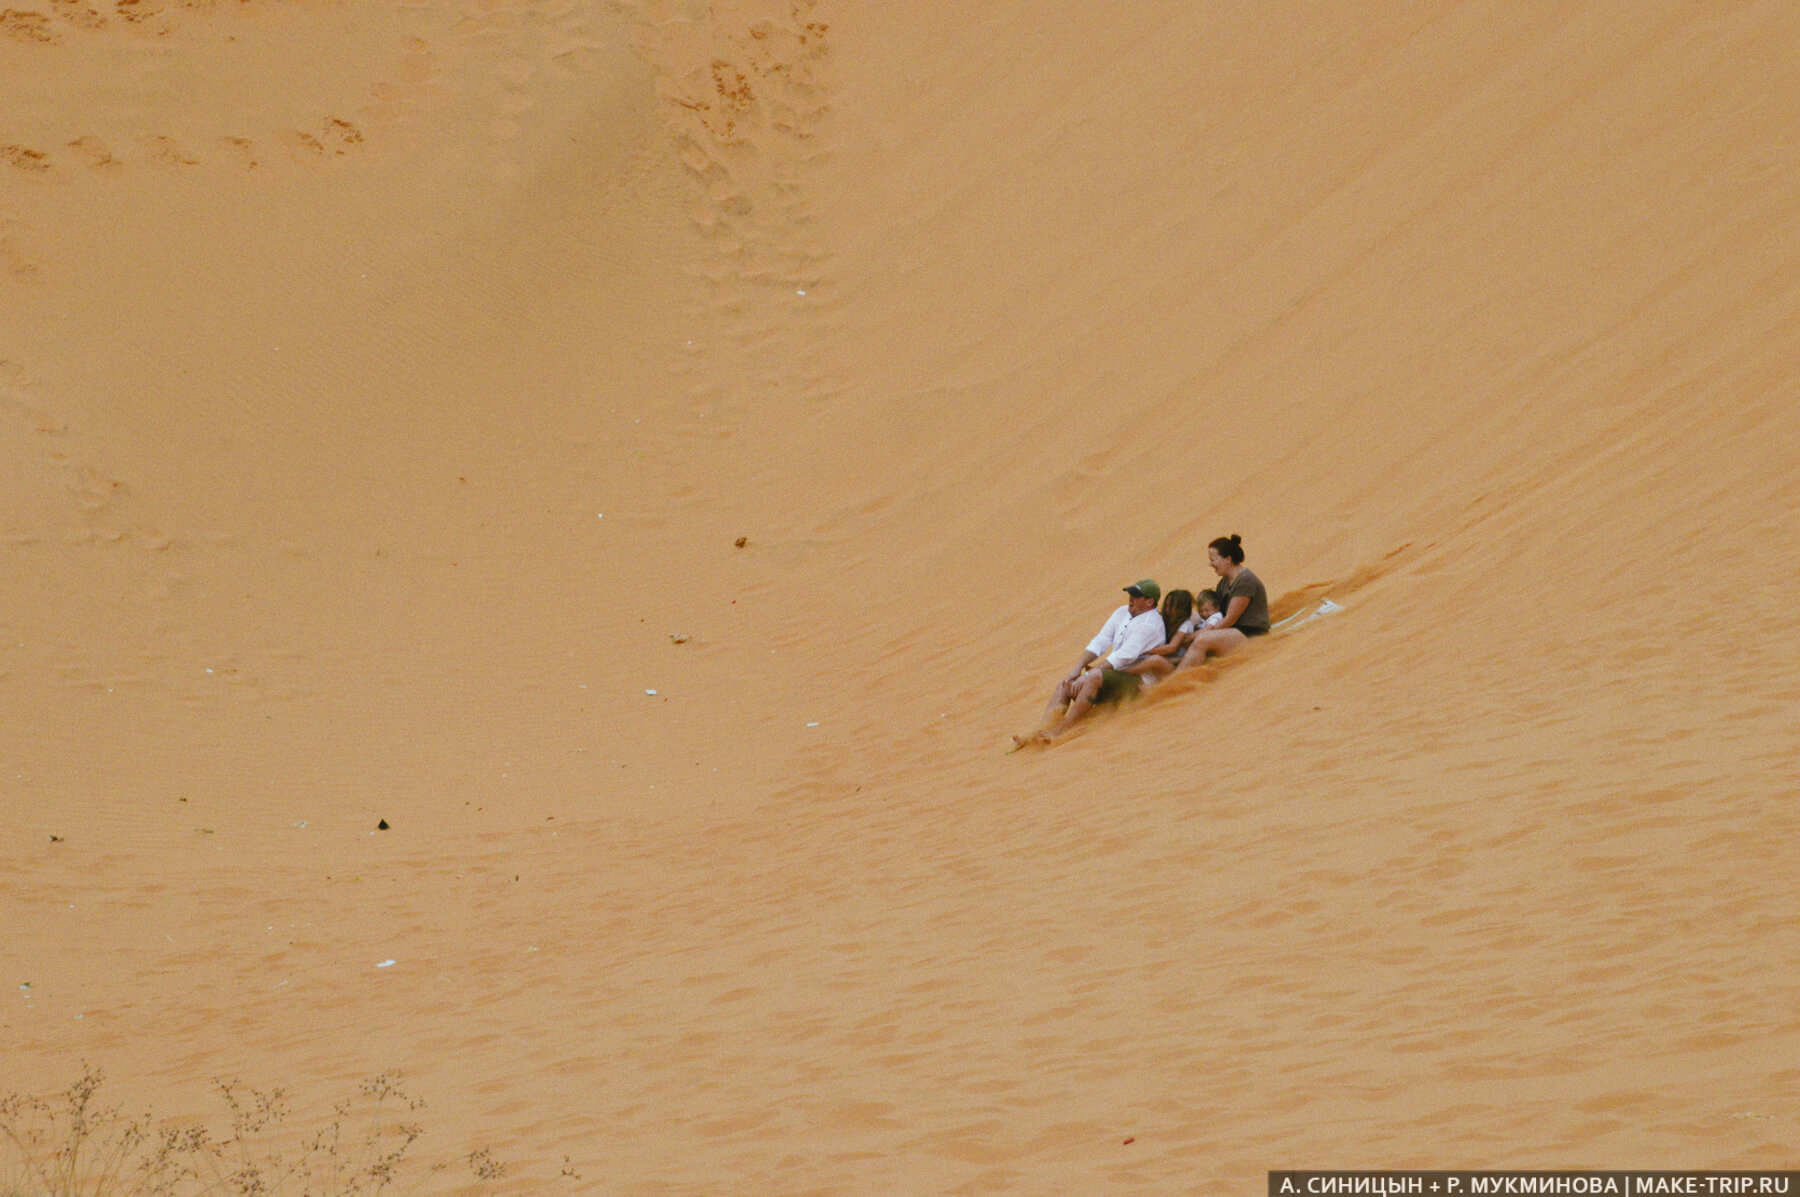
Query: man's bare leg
[1085,691]
[1059,698]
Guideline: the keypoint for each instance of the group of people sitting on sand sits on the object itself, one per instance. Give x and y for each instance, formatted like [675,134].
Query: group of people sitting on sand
[1140,645]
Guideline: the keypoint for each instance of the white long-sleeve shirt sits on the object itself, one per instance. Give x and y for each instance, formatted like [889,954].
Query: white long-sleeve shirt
[1128,636]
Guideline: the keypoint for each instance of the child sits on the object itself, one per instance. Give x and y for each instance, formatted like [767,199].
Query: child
[1206,614]
[1178,619]
[1177,613]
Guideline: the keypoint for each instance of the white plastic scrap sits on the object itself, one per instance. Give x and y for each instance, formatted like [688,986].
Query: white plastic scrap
[1305,615]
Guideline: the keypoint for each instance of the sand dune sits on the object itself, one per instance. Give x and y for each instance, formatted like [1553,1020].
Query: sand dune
[383,389]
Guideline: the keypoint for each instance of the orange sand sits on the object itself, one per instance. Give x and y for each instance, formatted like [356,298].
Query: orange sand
[383,385]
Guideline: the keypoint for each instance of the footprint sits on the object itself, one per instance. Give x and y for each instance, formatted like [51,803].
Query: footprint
[307,143]
[419,65]
[341,134]
[27,26]
[732,86]
[741,90]
[136,10]
[241,150]
[12,260]
[106,511]
[167,149]
[335,138]
[80,15]
[94,151]
[23,158]
[13,387]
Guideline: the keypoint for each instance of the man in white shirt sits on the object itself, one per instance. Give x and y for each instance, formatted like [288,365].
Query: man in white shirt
[1128,634]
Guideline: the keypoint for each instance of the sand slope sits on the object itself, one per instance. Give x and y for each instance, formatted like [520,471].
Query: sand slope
[383,388]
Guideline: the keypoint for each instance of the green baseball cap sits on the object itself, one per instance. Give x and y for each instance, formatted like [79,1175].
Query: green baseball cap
[1146,588]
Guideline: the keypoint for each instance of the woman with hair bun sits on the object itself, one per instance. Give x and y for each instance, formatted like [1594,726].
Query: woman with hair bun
[1242,598]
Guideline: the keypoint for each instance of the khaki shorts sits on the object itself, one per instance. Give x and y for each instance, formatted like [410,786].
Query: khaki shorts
[1117,685]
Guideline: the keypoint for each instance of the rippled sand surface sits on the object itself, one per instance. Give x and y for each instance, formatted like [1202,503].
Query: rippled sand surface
[652,453]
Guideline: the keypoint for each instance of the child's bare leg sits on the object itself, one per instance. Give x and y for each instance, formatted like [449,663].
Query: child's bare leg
[1215,642]
[1156,668]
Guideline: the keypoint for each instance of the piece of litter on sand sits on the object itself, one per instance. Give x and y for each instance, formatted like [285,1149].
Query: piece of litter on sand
[649,692]
[601,516]
[679,637]
[812,725]
[278,985]
[385,964]
[1307,614]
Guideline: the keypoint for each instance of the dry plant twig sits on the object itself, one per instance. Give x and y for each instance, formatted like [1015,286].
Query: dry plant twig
[70,1145]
